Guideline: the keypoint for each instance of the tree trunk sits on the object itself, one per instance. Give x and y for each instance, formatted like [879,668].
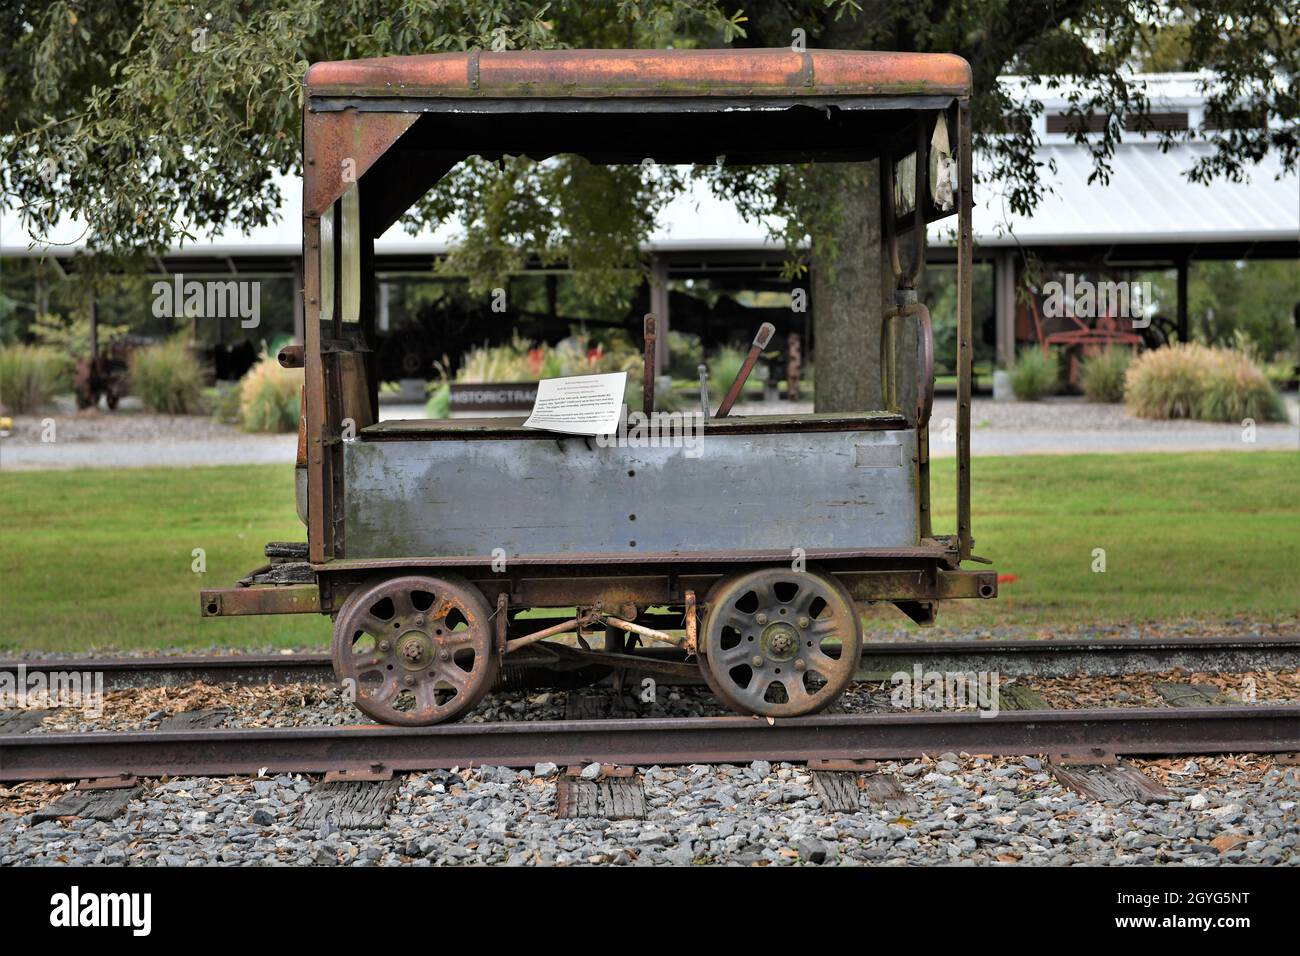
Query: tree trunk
[847,294]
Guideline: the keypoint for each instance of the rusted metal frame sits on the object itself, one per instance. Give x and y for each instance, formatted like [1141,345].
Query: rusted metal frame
[621,104]
[502,623]
[965,277]
[905,278]
[563,628]
[319,531]
[650,632]
[692,625]
[755,73]
[879,585]
[648,741]
[877,421]
[283,599]
[930,549]
[920,585]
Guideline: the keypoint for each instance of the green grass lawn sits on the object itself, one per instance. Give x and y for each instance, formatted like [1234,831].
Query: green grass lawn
[101,560]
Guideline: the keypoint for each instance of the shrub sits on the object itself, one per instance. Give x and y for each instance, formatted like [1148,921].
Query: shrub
[31,375]
[439,405]
[1237,389]
[1193,381]
[270,397]
[1034,374]
[724,367]
[1168,382]
[1102,375]
[167,378]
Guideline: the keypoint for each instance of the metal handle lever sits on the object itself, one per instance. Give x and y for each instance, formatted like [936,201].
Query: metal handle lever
[765,333]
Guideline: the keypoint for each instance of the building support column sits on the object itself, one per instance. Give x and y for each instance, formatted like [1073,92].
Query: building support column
[1004,306]
[1184,330]
[659,306]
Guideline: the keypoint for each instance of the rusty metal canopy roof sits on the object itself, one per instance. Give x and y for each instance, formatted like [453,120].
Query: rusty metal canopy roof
[644,73]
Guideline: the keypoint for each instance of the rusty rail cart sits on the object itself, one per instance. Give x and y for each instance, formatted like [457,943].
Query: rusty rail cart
[751,555]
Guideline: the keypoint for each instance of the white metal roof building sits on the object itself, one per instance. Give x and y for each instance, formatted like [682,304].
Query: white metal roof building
[1148,214]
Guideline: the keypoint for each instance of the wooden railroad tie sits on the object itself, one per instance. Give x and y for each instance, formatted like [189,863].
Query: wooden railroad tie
[614,795]
[349,804]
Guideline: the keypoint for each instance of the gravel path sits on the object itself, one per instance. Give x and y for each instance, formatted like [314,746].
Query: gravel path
[966,811]
[95,439]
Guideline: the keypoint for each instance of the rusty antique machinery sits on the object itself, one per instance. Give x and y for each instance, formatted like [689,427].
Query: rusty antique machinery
[453,555]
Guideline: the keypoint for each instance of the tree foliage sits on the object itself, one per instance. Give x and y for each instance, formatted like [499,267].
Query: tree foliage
[151,119]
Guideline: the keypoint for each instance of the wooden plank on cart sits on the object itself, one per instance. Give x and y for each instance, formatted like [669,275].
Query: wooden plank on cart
[87,805]
[838,791]
[1112,783]
[349,805]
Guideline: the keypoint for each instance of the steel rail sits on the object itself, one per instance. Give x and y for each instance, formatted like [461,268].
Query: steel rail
[1095,656]
[644,742]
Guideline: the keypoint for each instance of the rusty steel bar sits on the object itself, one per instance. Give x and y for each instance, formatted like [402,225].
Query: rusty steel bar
[561,628]
[692,625]
[277,599]
[765,333]
[643,631]
[643,742]
[1098,656]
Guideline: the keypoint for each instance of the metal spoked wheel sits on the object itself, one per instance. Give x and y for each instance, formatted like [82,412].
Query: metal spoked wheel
[418,650]
[766,637]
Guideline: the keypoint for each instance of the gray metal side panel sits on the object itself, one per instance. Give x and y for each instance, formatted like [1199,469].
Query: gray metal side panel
[556,495]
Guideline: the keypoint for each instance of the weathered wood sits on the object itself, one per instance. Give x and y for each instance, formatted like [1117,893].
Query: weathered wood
[1193,695]
[287,549]
[195,719]
[595,706]
[88,805]
[883,792]
[615,798]
[838,791]
[1015,697]
[21,721]
[349,805]
[1113,783]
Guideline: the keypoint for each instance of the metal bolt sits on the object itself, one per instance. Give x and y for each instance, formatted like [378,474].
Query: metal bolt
[409,680]
[761,618]
[799,665]
[385,646]
[446,655]
[756,660]
[804,622]
[419,620]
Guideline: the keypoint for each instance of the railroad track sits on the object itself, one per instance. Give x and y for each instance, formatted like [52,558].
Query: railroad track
[1086,734]
[1101,657]
[378,750]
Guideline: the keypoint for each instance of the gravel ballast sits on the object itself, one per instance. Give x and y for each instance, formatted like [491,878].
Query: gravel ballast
[967,810]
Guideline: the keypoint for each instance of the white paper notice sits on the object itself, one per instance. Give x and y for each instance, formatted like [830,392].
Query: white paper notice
[580,404]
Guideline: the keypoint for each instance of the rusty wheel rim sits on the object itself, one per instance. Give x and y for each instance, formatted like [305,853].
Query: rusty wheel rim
[765,641]
[415,650]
